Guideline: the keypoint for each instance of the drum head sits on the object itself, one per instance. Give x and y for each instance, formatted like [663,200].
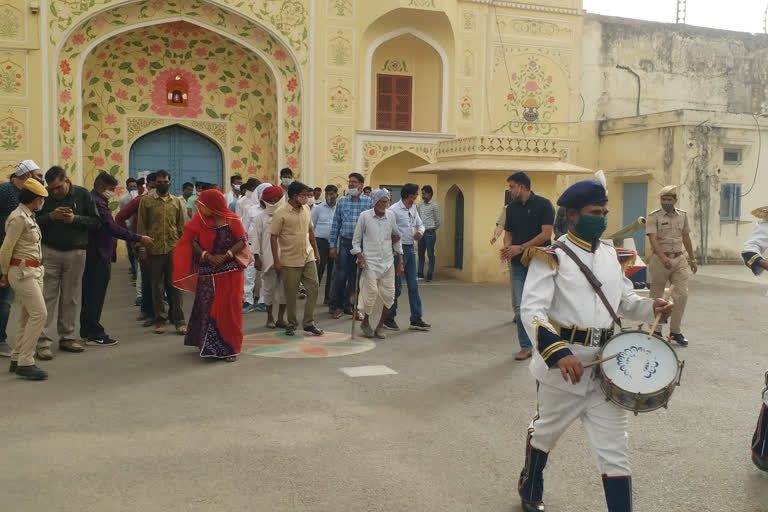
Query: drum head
[645,364]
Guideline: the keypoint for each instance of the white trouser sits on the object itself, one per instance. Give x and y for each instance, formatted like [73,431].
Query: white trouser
[260,280]
[372,288]
[249,281]
[272,288]
[604,422]
[138,283]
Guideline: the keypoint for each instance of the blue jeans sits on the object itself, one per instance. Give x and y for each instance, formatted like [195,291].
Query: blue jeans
[409,262]
[345,270]
[519,272]
[6,298]
[427,244]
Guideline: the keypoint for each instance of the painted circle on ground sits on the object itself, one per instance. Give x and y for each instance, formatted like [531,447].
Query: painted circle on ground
[278,344]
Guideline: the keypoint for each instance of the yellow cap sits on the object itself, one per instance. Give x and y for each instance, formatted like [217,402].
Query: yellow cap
[669,190]
[35,187]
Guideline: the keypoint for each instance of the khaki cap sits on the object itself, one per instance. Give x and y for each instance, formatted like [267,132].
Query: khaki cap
[669,190]
[35,187]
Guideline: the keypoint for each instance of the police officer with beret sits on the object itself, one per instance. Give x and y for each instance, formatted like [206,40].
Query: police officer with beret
[668,230]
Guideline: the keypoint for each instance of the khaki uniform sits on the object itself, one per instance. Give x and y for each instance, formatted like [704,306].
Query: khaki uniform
[669,229]
[22,242]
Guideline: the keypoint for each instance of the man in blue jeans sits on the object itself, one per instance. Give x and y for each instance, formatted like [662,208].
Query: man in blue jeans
[348,210]
[411,230]
[429,211]
[528,223]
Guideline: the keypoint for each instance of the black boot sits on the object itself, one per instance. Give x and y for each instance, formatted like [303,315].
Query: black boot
[618,493]
[531,483]
[679,339]
[760,441]
[31,372]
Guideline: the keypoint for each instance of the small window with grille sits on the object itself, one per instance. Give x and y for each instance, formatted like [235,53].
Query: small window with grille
[394,102]
[732,156]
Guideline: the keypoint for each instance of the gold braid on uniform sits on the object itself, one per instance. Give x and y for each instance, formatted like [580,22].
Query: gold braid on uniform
[627,258]
[545,254]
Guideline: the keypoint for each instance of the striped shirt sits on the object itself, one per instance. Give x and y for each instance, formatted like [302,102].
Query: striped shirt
[345,218]
[430,214]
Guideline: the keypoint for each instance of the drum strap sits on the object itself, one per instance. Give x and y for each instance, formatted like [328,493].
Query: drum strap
[594,281]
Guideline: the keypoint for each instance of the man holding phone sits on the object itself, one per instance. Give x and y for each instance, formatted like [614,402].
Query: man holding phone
[67,216]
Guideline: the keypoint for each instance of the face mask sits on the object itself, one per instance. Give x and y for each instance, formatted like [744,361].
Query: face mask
[354,192]
[591,227]
[270,208]
[285,181]
[162,188]
[39,208]
[132,189]
[668,207]
[303,200]
[249,193]
[187,195]
[235,187]
[108,194]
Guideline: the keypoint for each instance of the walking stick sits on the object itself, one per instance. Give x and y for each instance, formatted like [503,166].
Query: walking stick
[358,270]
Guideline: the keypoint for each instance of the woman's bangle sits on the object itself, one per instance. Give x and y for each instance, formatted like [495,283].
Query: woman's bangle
[204,255]
[229,253]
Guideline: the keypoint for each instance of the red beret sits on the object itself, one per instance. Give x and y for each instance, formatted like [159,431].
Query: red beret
[271,193]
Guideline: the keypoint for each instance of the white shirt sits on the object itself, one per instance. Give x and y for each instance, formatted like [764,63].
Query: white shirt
[408,221]
[373,237]
[229,196]
[243,202]
[563,295]
[251,213]
[260,239]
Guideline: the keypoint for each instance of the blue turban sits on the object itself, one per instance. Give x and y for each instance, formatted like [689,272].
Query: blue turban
[583,193]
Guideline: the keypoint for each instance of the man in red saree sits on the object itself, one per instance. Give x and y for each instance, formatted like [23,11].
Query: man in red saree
[209,261]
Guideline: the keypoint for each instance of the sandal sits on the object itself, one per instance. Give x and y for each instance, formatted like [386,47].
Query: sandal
[159,330]
[338,314]
[271,324]
[314,330]
[181,330]
[230,359]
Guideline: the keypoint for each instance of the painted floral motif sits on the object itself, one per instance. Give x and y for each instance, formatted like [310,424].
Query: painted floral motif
[530,100]
[339,149]
[422,4]
[159,70]
[10,78]
[395,66]
[11,135]
[340,100]
[465,106]
[66,12]
[375,152]
[339,50]
[340,8]
[637,362]
[11,23]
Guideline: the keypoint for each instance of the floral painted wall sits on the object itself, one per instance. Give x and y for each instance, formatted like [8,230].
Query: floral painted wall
[177,70]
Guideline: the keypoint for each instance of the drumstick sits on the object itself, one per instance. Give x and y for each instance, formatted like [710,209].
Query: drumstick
[597,362]
[658,317]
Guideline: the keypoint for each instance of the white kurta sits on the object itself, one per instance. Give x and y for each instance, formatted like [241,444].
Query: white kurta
[373,237]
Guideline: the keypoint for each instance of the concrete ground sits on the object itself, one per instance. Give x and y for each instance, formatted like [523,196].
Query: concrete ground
[148,426]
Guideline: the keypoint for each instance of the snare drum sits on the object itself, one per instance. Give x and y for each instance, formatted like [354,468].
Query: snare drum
[645,373]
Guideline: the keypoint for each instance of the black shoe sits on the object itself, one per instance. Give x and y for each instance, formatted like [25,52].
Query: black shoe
[290,331]
[149,322]
[12,368]
[429,277]
[532,507]
[420,325]
[419,276]
[349,311]
[679,339]
[103,342]
[314,330]
[391,325]
[31,372]
[762,464]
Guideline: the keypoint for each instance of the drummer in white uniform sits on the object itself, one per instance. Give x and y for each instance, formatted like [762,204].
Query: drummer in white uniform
[567,321]
[753,257]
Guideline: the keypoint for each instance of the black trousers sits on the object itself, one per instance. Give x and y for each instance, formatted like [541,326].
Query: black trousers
[325,264]
[95,281]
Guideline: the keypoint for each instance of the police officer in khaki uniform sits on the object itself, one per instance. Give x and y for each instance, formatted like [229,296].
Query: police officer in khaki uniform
[21,255]
[668,230]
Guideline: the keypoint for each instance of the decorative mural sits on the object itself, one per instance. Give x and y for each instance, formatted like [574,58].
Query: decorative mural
[13,80]
[341,8]
[339,145]
[468,20]
[376,152]
[289,18]
[396,67]
[339,51]
[13,130]
[529,86]
[465,104]
[12,23]
[468,63]
[420,4]
[227,78]
[538,28]
[178,70]
[339,99]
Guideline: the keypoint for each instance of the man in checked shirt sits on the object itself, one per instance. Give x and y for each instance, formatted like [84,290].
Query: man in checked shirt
[348,210]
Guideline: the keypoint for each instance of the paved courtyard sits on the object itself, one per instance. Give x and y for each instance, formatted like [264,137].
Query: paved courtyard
[147,426]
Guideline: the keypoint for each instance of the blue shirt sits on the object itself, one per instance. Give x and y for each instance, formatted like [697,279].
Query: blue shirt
[345,217]
[9,200]
[322,219]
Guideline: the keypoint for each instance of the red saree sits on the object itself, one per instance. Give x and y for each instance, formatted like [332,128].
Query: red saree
[216,322]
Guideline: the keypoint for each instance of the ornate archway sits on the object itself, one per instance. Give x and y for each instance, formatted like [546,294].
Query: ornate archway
[279,58]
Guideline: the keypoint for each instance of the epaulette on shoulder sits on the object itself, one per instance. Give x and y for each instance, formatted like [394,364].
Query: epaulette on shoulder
[761,213]
[545,254]
[681,211]
[657,210]
[627,257]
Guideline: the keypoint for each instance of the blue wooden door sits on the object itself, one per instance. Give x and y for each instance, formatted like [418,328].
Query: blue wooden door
[635,205]
[186,155]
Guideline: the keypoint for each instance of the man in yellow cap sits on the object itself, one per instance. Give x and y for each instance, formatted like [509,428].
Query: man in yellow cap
[668,231]
[20,259]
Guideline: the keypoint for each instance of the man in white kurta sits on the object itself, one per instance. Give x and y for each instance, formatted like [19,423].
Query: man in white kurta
[250,213]
[271,286]
[249,274]
[568,322]
[375,242]
[752,253]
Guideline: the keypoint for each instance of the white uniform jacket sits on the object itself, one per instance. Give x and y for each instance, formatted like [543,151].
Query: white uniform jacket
[557,298]
[753,249]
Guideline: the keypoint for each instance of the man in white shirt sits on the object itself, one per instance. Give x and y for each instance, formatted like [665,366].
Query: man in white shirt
[249,274]
[235,182]
[411,230]
[376,237]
